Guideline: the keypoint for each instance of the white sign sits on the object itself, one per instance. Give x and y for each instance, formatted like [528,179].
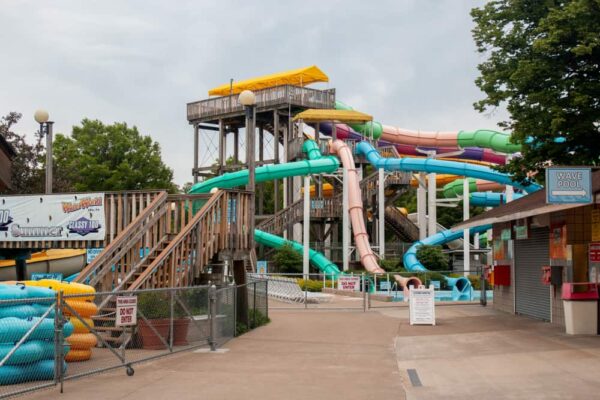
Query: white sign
[349,283]
[52,217]
[421,306]
[126,312]
[261,267]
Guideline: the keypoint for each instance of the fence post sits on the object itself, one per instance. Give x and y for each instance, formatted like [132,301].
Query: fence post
[57,344]
[254,306]
[483,295]
[212,305]
[61,324]
[172,317]
[267,297]
[364,287]
[234,310]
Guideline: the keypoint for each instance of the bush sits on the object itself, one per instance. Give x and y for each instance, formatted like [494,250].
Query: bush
[312,285]
[432,257]
[255,319]
[391,265]
[154,305]
[288,260]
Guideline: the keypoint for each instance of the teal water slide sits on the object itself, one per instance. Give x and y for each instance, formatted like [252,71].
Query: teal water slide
[316,164]
[411,263]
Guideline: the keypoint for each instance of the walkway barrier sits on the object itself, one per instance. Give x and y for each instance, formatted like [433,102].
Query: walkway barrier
[45,342]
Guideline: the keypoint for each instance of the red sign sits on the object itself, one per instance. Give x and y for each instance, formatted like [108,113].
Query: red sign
[595,252]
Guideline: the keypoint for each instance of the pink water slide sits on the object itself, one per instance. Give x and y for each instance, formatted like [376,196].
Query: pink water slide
[355,208]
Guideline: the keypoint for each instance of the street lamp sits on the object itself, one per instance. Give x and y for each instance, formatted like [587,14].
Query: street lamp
[41,117]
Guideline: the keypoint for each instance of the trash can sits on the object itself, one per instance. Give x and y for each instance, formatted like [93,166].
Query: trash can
[580,301]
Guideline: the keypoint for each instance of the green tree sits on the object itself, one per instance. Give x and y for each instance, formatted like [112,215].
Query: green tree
[432,257]
[110,157]
[288,260]
[27,172]
[543,63]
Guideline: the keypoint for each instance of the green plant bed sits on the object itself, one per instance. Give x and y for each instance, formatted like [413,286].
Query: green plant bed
[312,285]
[255,319]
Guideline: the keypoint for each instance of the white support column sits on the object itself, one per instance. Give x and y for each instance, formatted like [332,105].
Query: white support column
[466,236]
[381,218]
[345,222]
[509,191]
[431,206]
[422,206]
[306,227]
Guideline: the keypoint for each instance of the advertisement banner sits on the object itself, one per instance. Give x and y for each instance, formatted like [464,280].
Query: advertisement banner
[558,240]
[52,217]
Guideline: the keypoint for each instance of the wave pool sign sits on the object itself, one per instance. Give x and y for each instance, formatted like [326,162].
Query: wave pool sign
[568,185]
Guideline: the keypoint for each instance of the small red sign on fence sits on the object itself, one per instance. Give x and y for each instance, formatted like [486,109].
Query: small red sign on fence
[594,252]
[126,311]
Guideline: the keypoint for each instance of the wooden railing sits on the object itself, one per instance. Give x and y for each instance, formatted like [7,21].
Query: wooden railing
[402,226]
[278,95]
[127,249]
[221,224]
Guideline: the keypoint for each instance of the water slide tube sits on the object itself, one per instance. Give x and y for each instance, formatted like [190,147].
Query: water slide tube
[314,165]
[481,138]
[443,167]
[317,259]
[461,285]
[480,195]
[469,153]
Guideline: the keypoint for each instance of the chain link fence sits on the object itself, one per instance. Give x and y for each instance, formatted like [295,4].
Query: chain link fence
[364,290]
[48,341]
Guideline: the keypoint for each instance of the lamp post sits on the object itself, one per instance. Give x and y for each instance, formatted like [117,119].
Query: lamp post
[41,117]
[248,100]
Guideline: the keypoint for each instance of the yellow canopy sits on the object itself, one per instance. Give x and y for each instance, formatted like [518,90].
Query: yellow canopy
[343,116]
[297,77]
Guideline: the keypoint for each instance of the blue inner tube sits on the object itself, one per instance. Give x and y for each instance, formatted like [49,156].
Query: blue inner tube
[29,352]
[38,371]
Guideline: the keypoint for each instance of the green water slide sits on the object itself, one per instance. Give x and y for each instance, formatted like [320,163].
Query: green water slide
[316,164]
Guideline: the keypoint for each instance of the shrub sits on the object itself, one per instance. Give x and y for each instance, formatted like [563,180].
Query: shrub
[311,285]
[432,257]
[288,261]
[154,305]
[391,265]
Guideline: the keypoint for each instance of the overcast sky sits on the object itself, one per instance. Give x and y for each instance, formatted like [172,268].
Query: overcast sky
[409,63]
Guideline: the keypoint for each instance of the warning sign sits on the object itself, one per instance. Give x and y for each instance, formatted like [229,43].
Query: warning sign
[126,313]
[349,283]
[421,303]
[595,252]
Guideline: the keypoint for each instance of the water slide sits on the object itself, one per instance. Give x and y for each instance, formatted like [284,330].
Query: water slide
[443,167]
[480,192]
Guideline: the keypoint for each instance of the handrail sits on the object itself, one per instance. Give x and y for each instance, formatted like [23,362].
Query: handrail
[183,234]
[120,239]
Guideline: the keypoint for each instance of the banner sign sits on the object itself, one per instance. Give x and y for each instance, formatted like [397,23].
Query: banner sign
[92,253]
[52,217]
[568,185]
[349,283]
[38,276]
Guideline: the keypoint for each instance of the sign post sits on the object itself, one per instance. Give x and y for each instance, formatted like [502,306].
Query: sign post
[421,305]
[568,185]
[126,312]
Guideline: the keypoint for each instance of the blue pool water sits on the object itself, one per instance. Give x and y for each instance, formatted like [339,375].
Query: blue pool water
[444,295]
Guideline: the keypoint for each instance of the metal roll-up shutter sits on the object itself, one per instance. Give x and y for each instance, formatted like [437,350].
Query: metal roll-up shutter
[531,297]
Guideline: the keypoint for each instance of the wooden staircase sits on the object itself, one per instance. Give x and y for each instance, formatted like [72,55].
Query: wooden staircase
[166,246]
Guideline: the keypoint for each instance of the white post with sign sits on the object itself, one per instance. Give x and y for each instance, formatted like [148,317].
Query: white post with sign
[421,305]
[126,312]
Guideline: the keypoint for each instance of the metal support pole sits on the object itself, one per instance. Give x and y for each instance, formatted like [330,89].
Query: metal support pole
[212,300]
[196,144]
[276,160]
[364,290]
[236,146]
[381,218]
[251,162]
[483,295]
[422,206]
[49,156]
[345,221]
[431,204]
[306,227]
[222,145]
[466,232]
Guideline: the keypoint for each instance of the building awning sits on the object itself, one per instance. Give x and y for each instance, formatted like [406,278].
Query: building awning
[527,206]
[331,115]
[296,77]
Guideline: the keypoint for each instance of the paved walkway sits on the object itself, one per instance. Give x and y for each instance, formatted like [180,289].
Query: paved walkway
[473,353]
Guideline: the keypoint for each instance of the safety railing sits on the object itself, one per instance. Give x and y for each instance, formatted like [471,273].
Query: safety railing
[269,97]
[221,224]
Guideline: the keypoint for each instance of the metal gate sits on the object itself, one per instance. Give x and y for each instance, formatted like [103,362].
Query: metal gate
[531,297]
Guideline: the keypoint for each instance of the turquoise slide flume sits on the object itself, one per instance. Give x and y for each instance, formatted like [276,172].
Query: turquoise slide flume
[316,164]
[317,259]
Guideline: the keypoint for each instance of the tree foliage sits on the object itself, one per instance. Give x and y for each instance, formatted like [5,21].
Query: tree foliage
[543,63]
[288,260]
[27,165]
[110,157]
[432,257]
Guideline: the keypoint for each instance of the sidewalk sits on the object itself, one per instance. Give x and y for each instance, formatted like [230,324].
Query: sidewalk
[301,354]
